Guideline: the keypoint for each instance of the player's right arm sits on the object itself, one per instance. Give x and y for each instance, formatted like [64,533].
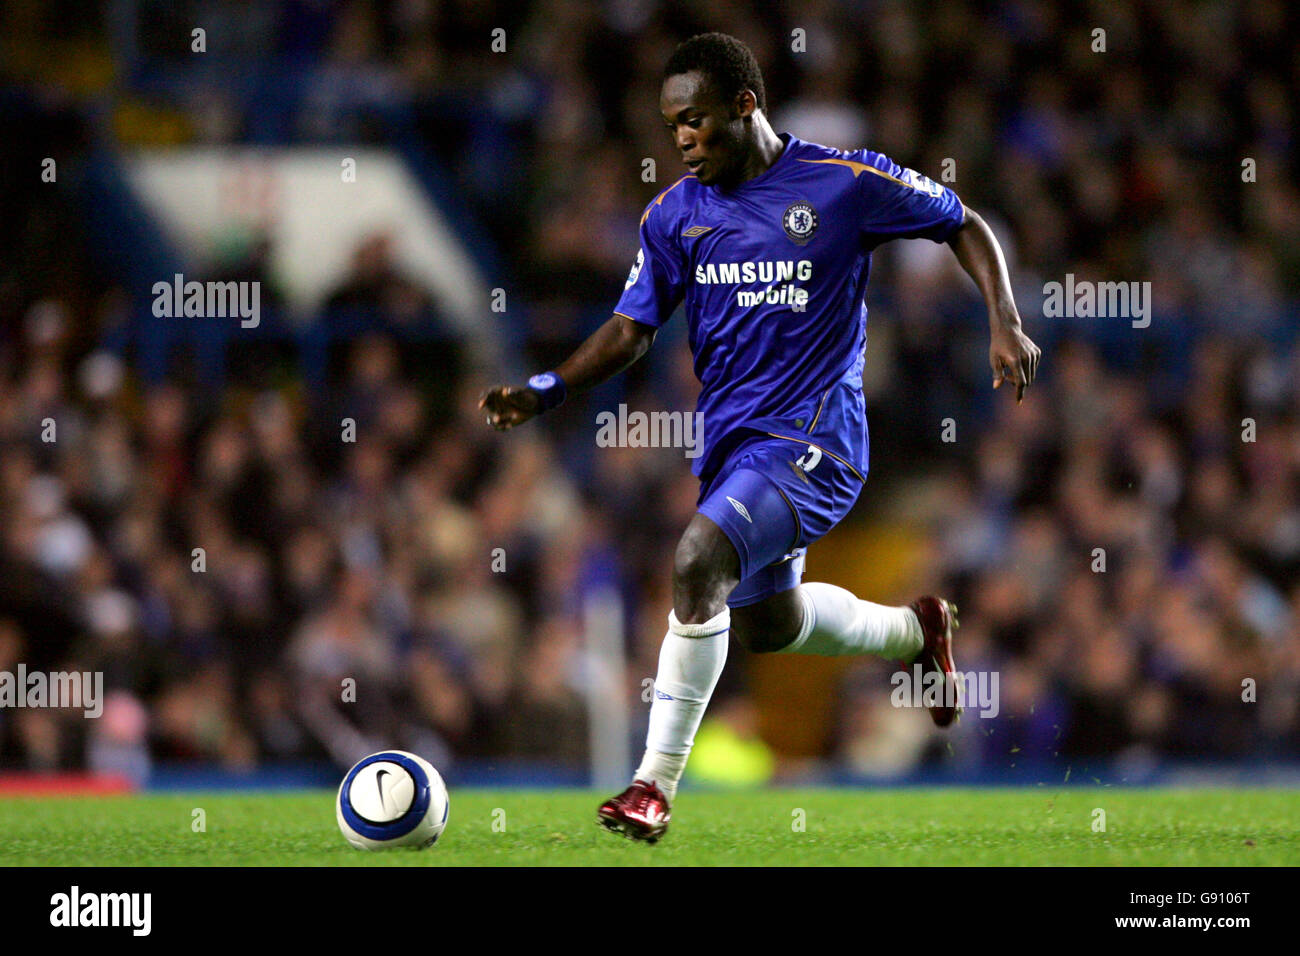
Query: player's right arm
[610,349]
[653,290]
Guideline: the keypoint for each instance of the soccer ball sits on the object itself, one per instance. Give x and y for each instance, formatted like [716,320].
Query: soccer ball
[392,799]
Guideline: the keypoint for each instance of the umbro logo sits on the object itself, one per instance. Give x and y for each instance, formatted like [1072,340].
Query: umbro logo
[741,509]
[694,231]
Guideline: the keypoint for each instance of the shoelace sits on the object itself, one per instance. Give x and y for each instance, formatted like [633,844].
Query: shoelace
[644,797]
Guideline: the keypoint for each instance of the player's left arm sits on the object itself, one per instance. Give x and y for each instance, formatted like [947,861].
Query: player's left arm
[1012,355]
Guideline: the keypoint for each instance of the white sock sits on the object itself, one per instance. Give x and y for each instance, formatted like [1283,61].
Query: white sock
[690,662]
[836,622]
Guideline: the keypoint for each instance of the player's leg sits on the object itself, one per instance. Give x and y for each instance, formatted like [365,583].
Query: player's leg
[819,618]
[705,569]
[743,524]
[691,658]
[823,619]
[773,611]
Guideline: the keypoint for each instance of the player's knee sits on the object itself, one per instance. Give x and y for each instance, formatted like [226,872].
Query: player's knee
[702,576]
[694,565]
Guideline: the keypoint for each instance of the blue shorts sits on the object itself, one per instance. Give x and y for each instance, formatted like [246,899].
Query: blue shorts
[773,497]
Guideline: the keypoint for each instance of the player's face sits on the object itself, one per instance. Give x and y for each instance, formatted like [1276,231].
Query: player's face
[709,132]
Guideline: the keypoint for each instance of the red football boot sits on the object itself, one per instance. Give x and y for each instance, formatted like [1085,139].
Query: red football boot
[639,813]
[938,620]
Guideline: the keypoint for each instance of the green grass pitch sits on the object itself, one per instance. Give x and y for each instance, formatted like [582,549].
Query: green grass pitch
[770,827]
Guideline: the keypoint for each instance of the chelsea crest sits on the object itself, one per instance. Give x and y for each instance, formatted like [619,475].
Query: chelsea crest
[800,222]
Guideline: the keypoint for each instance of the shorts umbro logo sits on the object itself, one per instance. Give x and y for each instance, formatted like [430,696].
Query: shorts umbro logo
[741,509]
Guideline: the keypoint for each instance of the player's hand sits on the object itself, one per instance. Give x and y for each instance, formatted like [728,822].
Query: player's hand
[507,406]
[1014,359]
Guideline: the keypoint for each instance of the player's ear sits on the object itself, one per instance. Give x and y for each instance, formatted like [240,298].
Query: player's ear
[746,104]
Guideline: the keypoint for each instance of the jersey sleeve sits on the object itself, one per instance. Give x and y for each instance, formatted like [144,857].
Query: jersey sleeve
[657,282]
[900,203]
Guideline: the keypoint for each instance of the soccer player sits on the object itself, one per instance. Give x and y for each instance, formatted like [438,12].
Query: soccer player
[768,241]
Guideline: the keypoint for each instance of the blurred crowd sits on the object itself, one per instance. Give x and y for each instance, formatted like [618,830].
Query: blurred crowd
[260,584]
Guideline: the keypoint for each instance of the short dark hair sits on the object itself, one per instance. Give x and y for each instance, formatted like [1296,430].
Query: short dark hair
[729,65]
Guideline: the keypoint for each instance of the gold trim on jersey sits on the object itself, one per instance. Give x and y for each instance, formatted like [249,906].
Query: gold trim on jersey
[859,168]
[820,406]
[660,198]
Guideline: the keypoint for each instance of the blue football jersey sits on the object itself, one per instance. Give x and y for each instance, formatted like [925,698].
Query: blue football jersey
[773,274]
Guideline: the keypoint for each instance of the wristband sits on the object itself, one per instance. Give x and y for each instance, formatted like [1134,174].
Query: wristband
[550,388]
